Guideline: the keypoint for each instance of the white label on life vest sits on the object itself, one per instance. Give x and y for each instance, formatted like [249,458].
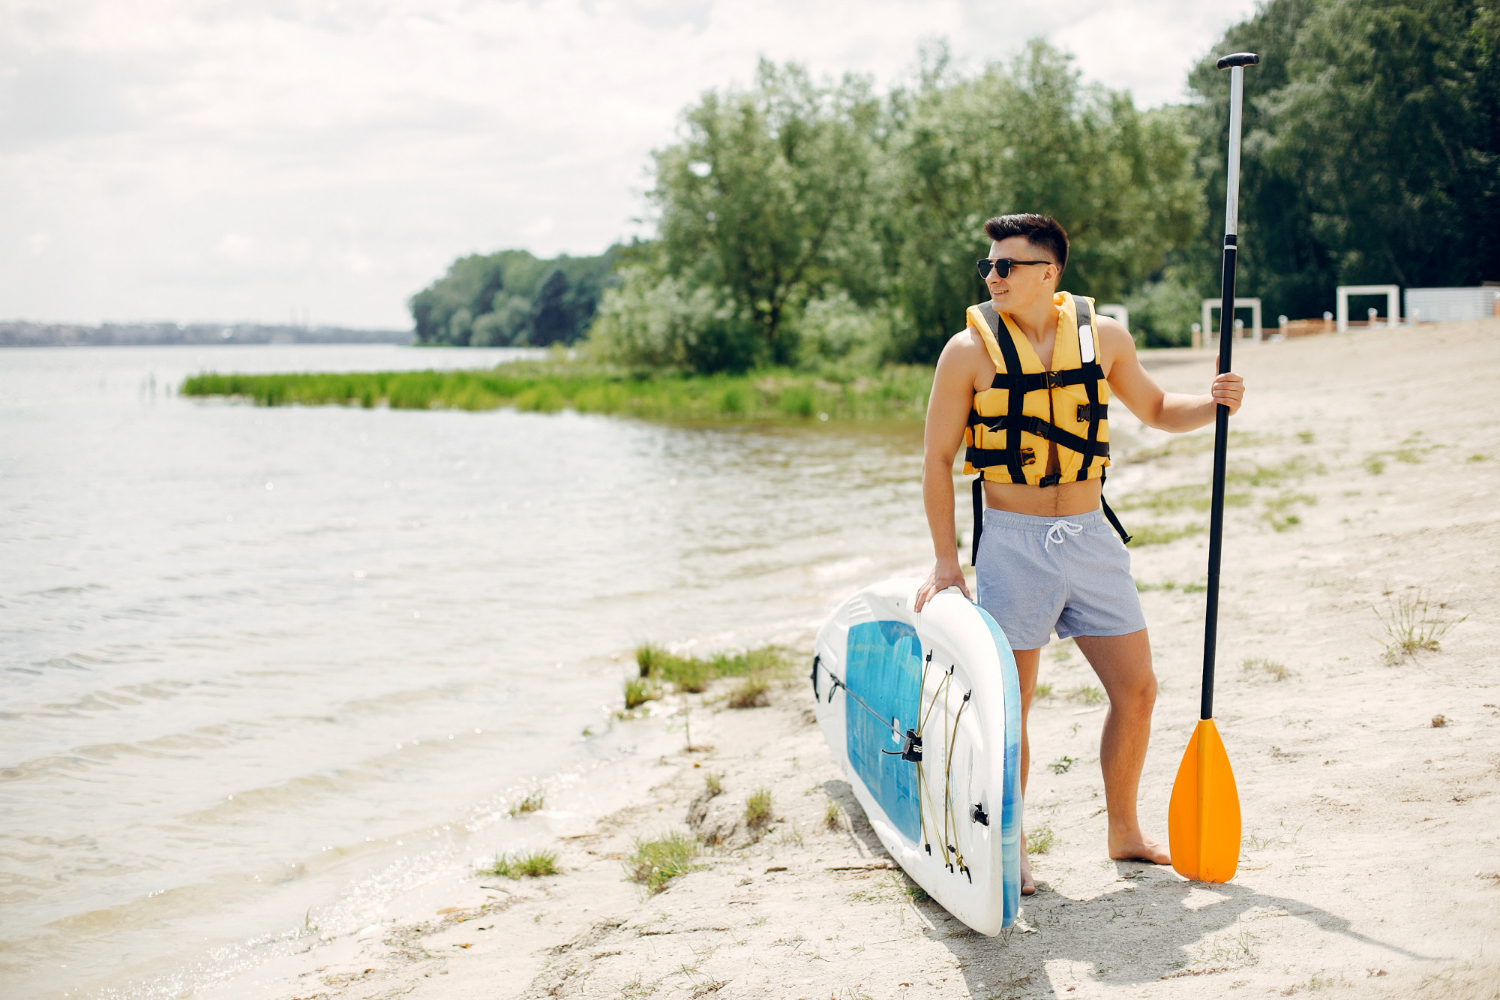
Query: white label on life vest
[1085,343]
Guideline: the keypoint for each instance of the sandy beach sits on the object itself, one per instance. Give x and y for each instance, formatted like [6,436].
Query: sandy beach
[1365,485]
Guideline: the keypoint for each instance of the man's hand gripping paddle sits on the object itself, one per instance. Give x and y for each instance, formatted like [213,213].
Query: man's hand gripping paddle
[1203,821]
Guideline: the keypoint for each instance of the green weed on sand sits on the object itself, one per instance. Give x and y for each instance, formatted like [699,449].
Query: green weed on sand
[528,864]
[638,692]
[530,804]
[758,808]
[1040,841]
[691,674]
[1161,534]
[1413,625]
[655,863]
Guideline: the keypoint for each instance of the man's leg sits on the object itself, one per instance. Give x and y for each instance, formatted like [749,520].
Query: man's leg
[1027,661]
[1123,663]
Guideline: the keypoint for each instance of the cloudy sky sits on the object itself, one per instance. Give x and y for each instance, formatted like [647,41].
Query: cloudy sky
[266,160]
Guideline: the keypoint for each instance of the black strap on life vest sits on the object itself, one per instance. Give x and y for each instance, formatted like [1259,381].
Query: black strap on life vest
[1018,387]
[1110,514]
[981,458]
[978,519]
[1090,447]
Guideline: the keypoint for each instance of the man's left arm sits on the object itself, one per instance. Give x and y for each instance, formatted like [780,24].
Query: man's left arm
[1134,386]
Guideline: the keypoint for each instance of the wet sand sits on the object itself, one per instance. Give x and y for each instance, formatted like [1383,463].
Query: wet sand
[1366,480]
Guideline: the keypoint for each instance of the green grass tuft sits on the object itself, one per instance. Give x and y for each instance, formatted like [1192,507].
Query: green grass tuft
[758,808]
[1413,625]
[1040,841]
[714,783]
[833,815]
[1161,534]
[530,804]
[529,864]
[691,674]
[1061,765]
[1276,671]
[1042,690]
[638,692]
[1088,694]
[654,863]
[915,893]
[751,693]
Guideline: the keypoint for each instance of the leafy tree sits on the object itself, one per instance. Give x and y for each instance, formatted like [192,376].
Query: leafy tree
[512,298]
[756,200]
[1028,137]
[551,319]
[1372,147]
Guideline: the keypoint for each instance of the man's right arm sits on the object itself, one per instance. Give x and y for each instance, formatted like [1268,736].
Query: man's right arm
[947,415]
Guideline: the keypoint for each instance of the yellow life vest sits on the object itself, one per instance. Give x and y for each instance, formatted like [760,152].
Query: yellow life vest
[1027,407]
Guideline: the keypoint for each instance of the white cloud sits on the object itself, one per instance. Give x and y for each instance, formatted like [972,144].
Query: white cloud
[353,149]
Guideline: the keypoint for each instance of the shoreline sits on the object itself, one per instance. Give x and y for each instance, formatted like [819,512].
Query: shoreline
[1369,777]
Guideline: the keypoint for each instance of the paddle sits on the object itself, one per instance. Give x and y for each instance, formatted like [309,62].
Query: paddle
[1203,820]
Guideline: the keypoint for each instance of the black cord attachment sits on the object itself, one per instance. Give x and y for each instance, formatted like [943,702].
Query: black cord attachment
[911,748]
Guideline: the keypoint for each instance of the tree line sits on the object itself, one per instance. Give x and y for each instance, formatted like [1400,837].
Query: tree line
[816,223]
[512,299]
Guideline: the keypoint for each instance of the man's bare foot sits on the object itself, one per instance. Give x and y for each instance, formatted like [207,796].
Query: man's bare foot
[1028,886]
[1137,847]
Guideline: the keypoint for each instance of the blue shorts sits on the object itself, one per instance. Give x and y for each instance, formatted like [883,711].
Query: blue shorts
[1072,574]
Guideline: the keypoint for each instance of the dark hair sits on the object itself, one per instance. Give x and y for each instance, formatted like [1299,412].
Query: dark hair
[1038,230]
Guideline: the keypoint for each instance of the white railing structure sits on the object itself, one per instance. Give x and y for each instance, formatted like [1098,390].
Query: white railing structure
[1210,305]
[1118,311]
[1392,295]
[1445,305]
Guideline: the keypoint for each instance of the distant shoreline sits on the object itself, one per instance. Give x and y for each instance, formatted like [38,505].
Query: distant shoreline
[21,333]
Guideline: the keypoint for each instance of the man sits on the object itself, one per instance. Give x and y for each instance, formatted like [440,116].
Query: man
[1044,557]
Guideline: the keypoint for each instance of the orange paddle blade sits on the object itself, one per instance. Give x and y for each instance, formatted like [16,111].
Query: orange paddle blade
[1203,821]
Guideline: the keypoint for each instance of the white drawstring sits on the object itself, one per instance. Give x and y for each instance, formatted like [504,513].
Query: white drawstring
[1056,528]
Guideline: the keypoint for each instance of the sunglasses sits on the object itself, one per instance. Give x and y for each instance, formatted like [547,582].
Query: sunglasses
[1002,266]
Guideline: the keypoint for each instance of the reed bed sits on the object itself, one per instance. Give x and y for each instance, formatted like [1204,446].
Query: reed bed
[896,392]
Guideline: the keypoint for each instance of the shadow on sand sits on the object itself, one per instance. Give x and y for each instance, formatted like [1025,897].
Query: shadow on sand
[1152,925]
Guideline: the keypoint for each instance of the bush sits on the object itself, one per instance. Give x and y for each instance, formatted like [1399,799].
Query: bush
[1162,314]
[836,330]
[662,323]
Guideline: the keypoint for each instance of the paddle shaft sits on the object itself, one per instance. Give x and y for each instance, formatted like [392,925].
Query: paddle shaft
[1221,416]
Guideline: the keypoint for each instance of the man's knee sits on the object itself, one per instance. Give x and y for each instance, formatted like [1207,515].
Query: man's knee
[1138,695]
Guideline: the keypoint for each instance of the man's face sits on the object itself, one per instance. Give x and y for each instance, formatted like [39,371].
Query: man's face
[1027,285]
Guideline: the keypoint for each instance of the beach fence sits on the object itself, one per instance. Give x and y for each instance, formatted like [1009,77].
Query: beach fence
[1209,307]
[1118,311]
[1449,305]
[1423,305]
[1392,295]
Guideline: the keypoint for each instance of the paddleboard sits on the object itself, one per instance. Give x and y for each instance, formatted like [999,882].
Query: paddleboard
[923,713]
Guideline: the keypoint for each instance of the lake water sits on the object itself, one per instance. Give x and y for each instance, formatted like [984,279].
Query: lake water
[266,669]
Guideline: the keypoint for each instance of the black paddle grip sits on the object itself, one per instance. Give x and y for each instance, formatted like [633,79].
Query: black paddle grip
[1239,59]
